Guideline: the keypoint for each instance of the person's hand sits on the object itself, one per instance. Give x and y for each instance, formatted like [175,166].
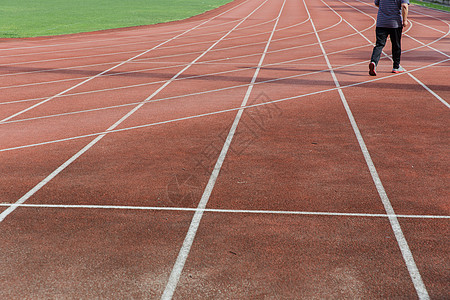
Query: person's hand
[405,23]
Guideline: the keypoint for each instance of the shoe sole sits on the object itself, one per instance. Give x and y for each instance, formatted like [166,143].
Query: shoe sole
[372,71]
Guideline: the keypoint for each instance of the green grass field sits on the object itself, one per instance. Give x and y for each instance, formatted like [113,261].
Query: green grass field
[30,18]
[431,5]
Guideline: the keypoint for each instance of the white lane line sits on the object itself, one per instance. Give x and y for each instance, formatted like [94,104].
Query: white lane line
[429,27]
[195,223]
[41,184]
[401,240]
[105,71]
[423,45]
[430,91]
[230,211]
[420,82]
[296,97]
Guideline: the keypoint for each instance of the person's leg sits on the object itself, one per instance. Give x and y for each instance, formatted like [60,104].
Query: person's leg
[381,34]
[396,36]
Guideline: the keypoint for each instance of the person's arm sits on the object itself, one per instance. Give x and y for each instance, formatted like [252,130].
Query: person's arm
[405,14]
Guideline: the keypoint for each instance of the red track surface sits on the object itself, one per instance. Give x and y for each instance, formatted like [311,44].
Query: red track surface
[216,158]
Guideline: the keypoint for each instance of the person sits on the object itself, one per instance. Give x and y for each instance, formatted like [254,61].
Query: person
[391,18]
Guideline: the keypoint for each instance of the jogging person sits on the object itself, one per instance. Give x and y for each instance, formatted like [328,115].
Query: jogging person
[391,18]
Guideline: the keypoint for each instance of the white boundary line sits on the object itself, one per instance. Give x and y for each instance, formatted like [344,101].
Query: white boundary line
[232,211]
[195,223]
[52,175]
[401,240]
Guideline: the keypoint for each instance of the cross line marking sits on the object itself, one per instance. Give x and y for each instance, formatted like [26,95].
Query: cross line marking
[217,210]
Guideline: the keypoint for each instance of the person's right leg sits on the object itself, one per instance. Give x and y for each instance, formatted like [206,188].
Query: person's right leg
[381,34]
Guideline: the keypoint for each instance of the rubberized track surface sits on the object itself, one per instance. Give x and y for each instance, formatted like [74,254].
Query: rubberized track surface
[241,154]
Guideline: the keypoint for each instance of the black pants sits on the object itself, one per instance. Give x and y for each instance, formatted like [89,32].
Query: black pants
[396,36]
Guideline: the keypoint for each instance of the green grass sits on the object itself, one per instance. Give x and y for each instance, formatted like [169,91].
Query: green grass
[31,18]
[432,5]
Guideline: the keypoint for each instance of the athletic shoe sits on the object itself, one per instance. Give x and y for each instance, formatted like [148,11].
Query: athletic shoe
[372,69]
[398,70]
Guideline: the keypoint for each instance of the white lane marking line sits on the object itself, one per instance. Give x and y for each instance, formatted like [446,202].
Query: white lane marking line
[30,193]
[195,223]
[296,97]
[401,240]
[218,210]
[420,82]
[430,91]
[423,45]
[429,27]
[110,69]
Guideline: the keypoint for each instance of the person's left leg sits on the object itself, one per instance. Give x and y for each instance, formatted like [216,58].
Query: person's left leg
[396,37]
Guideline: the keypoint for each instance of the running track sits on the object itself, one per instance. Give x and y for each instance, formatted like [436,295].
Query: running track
[241,154]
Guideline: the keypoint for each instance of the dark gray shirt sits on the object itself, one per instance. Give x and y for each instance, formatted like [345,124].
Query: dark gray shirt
[390,13]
